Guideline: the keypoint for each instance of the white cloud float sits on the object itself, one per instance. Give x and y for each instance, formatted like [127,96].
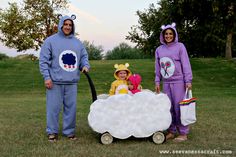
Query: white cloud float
[139,115]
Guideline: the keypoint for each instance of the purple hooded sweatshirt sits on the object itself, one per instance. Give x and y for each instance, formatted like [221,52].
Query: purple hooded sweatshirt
[172,61]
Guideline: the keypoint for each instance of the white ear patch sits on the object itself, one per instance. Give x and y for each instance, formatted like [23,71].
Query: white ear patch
[173,24]
[59,16]
[163,27]
[127,65]
[116,66]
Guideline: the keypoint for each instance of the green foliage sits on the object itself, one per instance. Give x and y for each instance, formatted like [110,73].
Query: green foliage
[3,56]
[203,26]
[94,52]
[146,33]
[27,57]
[26,27]
[23,112]
[124,51]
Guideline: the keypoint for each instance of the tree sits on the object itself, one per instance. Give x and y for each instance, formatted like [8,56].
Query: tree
[225,10]
[204,26]
[215,22]
[3,56]
[124,51]
[94,52]
[27,27]
[146,33]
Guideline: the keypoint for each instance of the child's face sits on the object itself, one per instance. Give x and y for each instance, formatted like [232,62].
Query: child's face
[130,85]
[122,75]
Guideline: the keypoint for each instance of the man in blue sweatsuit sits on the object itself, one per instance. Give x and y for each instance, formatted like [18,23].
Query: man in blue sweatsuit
[62,57]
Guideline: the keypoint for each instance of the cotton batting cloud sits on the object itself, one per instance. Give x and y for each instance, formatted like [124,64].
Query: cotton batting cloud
[139,115]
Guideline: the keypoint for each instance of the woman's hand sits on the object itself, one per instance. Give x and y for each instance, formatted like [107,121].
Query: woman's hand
[189,86]
[158,89]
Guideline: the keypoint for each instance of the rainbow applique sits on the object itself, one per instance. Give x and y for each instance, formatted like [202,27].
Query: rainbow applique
[187,101]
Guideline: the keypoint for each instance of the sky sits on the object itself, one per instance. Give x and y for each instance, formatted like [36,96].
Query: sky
[101,22]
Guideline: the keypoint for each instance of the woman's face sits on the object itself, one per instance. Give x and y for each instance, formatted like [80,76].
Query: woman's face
[169,36]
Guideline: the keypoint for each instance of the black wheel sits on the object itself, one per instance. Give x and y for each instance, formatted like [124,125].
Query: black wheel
[158,137]
[106,138]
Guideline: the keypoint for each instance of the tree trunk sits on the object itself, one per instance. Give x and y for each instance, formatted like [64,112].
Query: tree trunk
[231,23]
[228,49]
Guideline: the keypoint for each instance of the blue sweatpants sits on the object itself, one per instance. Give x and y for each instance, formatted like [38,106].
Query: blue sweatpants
[58,96]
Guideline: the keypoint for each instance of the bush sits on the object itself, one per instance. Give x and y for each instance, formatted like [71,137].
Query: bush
[94,52]
[3,56]
[124,51]
[27,57]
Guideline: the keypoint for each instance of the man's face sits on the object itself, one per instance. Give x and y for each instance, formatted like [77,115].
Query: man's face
[67,27]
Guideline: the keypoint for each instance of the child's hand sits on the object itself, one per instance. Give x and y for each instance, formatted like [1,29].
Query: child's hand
[158,90]
[140,87]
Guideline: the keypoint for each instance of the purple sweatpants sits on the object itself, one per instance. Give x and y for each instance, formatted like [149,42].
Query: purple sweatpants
[175,92]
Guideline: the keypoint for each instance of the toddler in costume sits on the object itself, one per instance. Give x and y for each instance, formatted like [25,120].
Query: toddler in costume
[120,85]
[134,83]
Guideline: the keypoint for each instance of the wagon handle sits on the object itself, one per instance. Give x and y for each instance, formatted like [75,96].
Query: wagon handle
[92,87]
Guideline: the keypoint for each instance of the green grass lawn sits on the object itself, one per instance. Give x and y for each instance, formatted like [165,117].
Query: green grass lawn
[23,112]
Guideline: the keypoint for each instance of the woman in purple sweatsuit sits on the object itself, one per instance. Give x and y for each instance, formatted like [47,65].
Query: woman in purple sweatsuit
[173,68]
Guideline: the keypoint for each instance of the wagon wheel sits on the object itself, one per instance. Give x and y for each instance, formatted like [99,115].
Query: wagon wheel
[106,138]
[158,137]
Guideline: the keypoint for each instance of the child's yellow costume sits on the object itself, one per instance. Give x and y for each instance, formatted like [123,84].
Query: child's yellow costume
[120,86]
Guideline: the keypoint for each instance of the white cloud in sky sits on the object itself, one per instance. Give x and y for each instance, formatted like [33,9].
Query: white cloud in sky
[84,14]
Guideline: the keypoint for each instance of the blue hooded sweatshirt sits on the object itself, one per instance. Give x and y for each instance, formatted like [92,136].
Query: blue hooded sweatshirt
[62,57]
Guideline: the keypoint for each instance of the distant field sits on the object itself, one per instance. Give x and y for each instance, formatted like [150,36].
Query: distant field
[23,113]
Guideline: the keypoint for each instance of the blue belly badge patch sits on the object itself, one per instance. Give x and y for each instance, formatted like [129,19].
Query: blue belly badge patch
[68,60]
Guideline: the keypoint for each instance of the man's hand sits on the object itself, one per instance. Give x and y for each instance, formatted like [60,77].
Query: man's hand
[85,69]
[48,84]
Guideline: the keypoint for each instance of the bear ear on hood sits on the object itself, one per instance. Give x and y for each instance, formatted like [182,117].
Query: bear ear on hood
[163,27]
[73,17]
[173,24]
[59,16]
[116,66]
